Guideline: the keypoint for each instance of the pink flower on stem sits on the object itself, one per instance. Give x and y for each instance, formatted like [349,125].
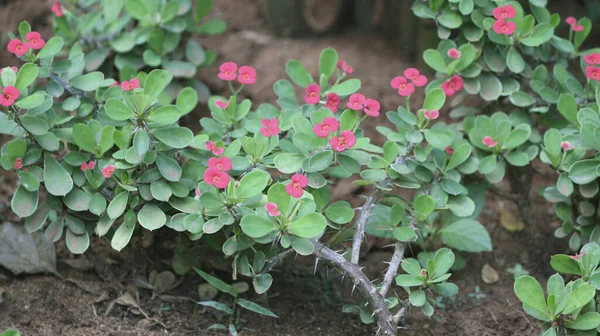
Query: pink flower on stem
[415,77]
[571,20]
[431,115]
[332,100]
[295,188]
[577,28]
[18,163]
[505,12]
[372,107]
[592,59]
[356,102]
[449,150]
[35,40]
[211,146]
[270,127]
[346,140]
[221,104]
[247,75]
[401,84]
[57,9]
[91,165]
[228,71]
[312,94]
[578,256]
[328,126]
[217,178]
[591,72]
[108,171]
[453,53]
[504,27]
[345,68]
[84,166]
[453,85]
[271,209]
[9,95]
[221,164]
[14,68]
[566,145]
[488,141]
[18,47]
[197,192]
[134,83]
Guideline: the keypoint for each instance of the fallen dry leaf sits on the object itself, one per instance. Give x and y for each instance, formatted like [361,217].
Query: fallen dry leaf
[489,274]
[509,221]
[23,252]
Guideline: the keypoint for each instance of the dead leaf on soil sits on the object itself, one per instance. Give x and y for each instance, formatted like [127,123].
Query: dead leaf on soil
[508,220]
[489,274]
[207,292]
[127,300]
[23,252]
[162,282]
[81,264]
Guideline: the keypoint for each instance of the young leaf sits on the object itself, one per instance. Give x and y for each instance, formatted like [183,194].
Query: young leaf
[251,306]
[529,291]
[220,284]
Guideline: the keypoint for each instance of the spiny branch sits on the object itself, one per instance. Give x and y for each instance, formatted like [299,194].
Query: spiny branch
[271,263]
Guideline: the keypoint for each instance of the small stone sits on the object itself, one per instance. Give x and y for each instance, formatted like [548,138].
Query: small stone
[489,274]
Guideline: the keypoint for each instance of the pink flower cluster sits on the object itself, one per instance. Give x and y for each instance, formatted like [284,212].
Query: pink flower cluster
[453,53]
[246,75]
[271,209]
[221,104]
[330,126]
[18,163]
[133,84]
[20,48]
[270,127]
[296,187]
[88,165]
[572,22]
[402,84]
[57,9]
[489,141]
[312,96]
[565,145]
[9,95]
[592,72]
[501,14]
[212,146]
[431,115]
[345,68]
[216,174]
[358,102]
[108,170]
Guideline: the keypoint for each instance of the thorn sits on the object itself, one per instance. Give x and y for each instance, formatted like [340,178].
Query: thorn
[390,245]
[316,263]
[353,287]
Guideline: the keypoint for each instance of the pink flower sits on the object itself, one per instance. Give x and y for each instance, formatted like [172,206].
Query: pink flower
[401,84]
[431,115]
[356,102]
[220,164]
[270,127]
[108,171]
[35,40]
[295,188]
[590,59]
[577,28]
[504,27]
[271,209]
[571,20]
[488,141]
[91,165]
[9,95]
[591,72]
[312,94]
[566,145]
[57,9]
[18,163]
[18,47]
[578,256]
[332,100]
[217,178]
[14,68]
[415,77]
[345,68]
[134,83]
[211,146]
[84,166]
[328,126]
[449,150]
[453,85]
[505,12]
[221,104]
[453,53]
[346,140]
[197,192]
[228,71]
[247,75]
[372,107]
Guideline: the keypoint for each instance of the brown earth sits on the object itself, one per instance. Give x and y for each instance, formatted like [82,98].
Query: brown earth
[307,305]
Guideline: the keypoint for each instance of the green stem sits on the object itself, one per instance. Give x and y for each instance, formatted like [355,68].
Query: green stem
[358,123]
[408,103]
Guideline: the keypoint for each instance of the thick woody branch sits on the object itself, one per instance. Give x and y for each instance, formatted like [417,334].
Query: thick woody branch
[397,257]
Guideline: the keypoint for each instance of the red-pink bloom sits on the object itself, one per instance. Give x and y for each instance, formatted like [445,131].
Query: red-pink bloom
[91,165]
[590,59]
[247,75]
[14,68]
[228,71]
[453,85]
[18,163]
[270,127]
[221,104]
[134,83]
[84,166]
[431,115]
[449,150]
[571,20]
[356,102]
[217,178]
[271,209]
[345,68]
[505,12]
[401,84]
[415,77]
[221,164]
[211,146]
[504,27]
[566,145]
[116,83]
[578,256]
[18,47]
[295,188]
[108,170]
[346,140]
[488,141]
[577,28]
[591,72]
[35,40]
[372,107]
[57,9]
[197,192]
[453,53]
[312,94]
[332,100]
[328,126]
[9,95]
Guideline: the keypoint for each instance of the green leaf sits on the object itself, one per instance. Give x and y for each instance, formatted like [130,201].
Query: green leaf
[435,60]
[24,202]
[461,206]
[187,100]
[57,180]
[434,100]
[29,180]
[346,87]
[168,167]
[220,284]
[34,125]
[156,82]
[340,212]
[567,106]
[175,137]
[289,163]
[52,47]
[256,227]
[443,260]
[563,263]
[262,283]
[298,73]
[302,246]
[76,243]
[77,200]
[117,205]
[424,206]
[579,298]
[521,99]
[491,86]
[542,33]
[515,61]
[216,305]
[517,136]
[529,291]
[253,307]
[136,9]
[460,155]
[584,171]
[141,142]
[212,27]
[88,82]
[31,102]
[97,204]
[406,280]
[27,74]
[309,226]
[467,235]
[450,20]
[328,63]
[194,53]
[417,298]
[587,321]
[84,138]
[151,217]
[405,234]
[117,110]
[318,162]
[252,183]
[123,234]
[517,158]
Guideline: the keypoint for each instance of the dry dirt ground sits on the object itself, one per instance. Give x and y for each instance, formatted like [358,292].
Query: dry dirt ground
[306,304]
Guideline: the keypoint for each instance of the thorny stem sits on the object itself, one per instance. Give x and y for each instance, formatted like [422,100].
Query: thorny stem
[397,257]
[76,92]
[271,263]
[97,40]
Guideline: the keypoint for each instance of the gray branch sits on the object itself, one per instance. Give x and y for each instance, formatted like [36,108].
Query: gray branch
[271,263]
[397,257]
